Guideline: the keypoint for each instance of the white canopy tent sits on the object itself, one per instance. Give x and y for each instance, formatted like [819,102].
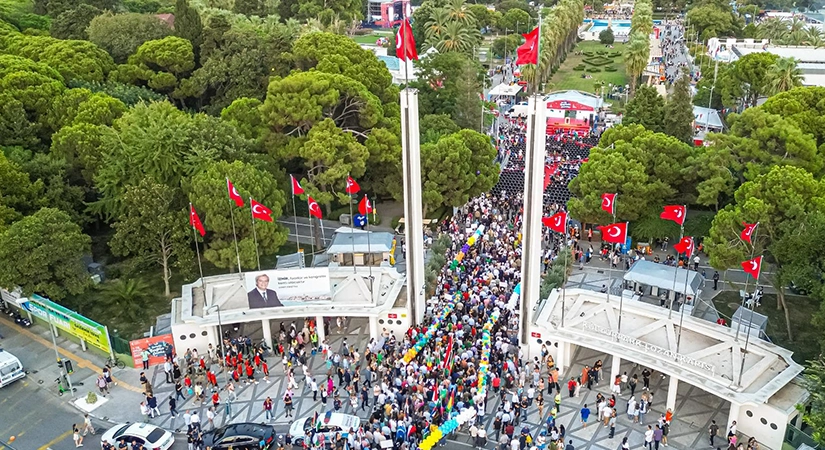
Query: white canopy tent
[505,90]
[661,276]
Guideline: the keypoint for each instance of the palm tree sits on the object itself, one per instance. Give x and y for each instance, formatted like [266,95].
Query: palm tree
[436,24]
[127,297]
[457,37]
[784,76]
[458,12]
[772,29]
[813,37]
[636,57]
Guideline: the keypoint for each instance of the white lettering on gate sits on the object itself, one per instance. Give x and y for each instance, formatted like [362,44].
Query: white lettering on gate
[650,348]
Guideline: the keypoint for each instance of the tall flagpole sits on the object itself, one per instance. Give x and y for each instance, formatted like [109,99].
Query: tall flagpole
[676,272]
[352,225]
[750,324]
[753,250]
[197,247]
[369,237]
[621,296]
[566,250]
[234,234]
[610,253]
[295,216]
[254,233]
[682,308]
[311,228]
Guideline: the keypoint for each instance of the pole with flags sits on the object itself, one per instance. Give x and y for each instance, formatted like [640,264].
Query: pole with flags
[747,235]
[405,46]
[615,233]
[677,214]
[197,228]
[297,190]
[558,223]
[260,212]
[609,206]
[352,188]
[528,52]
[234,196]
[686,245]
[753,267]
[365,208]
[315,211]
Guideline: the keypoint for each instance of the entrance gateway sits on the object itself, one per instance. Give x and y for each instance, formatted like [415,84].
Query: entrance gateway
[709,357]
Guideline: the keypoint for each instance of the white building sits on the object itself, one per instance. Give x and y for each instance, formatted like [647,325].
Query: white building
[810,60]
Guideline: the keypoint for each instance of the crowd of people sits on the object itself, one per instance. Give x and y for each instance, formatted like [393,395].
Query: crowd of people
[672,41]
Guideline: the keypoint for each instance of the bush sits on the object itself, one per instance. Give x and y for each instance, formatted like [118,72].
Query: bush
[595,69]
[579,68]
[610,69]
[606,37]
[91,398]
[587,53]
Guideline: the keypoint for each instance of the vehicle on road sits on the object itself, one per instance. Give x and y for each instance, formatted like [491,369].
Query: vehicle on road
[329,424]
[11,369]
[240,436]
[148,435]
[518,110]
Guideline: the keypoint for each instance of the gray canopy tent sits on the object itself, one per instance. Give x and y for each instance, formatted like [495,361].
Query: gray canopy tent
[659,277]
[751,321]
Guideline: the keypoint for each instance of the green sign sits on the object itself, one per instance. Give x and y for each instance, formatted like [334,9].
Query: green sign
[69,321]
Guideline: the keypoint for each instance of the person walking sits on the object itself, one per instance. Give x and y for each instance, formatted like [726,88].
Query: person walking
[152,404]
[649,438]
[87,425]
[657,436]
[557,401]
[612,425]
[715,280]
[76,436]
[144,357]
[585,414]
[102,385]
[288,404]
[713,431]
[167,369]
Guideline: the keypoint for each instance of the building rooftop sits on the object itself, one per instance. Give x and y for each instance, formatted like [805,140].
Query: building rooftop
[585,98]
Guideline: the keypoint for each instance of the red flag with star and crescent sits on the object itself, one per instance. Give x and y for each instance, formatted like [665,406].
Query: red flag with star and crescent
[608,203]
[195,221]
[753,266]
[557,222]
[685,246]
[314,208]
[675,213]
[260,211]
[352,186]
[747,233]
[405,42]
[528,52]
[296,186]
[365,206]
[234,195]
[615,233]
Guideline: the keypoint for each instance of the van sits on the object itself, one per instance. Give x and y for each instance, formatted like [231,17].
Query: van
[10,368]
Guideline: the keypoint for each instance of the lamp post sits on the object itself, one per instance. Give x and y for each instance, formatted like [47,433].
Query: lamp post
[223,349]
[64,374]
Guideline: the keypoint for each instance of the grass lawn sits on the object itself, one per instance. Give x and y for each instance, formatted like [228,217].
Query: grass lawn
[567,78]
[805,345]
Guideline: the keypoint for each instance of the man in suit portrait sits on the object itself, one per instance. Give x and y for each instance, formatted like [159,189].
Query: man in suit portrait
[261,296]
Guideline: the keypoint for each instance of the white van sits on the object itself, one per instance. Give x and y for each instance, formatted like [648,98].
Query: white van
[10,368]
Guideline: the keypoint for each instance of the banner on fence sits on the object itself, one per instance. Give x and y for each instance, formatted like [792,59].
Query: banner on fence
[93,333]
[158,346]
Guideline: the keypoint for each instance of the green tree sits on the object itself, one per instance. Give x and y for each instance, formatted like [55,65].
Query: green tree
[485,18]
[153,228]
[606,36]
[781,196]
[82,146]
[712,19]
[436,126]
[251,7]
[126,300]
[43,253]
[814,377]
[457,167]
[636,57]
[506,45]
[207,192]
[188,23]
[72,24]
[646,108]
[455,95]
[122,34]
[20,196]
[74,106]
[678,118]
[516,21]
[15,126]
[170,54]
[746,78]
[784,76]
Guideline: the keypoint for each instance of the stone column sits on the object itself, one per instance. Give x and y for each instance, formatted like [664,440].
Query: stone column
[374,331]
[672,388]
[732,415]
[413,209]
[319,328]
[267,330]
[615,369]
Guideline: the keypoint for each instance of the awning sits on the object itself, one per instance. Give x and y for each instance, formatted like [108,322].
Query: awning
[505,89]
[370,242]
[659,275]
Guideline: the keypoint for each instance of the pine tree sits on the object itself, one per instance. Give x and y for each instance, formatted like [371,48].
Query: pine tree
[188,24]
[678,112]
[646,109]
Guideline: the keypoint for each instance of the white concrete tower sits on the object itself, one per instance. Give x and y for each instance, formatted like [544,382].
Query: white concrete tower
[413,208]
[533,211]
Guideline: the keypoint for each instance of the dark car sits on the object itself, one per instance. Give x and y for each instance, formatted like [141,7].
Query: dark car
[240,436]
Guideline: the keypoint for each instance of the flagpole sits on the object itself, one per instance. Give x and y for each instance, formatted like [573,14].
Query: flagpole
[234,234]
[750,324]
[311,230]
[295,218]
[566,250]
[610,253]
[254,233]
[197,247]
[676,272]
[352,225]
[369,247]
[621,296]
[682,308]
[753,250]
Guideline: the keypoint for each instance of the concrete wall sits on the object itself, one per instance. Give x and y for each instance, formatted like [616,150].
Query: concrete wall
[766,424]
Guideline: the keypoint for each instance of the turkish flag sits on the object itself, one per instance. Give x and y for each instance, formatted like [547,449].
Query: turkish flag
[557,222]
[405,42]
[365,206]
[528,52]
[195,221]
[747,233]
[609,202]
[314,208]
[352,186]
[753,266]
[260,211]
[615,233]
[675,213]
[234,195]
[685,246]
[296,187]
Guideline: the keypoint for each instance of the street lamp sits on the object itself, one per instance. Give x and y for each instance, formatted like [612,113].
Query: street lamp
[223,349]
[62,365]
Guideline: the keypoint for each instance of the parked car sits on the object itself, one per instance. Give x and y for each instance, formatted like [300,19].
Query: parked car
[150,436]
[798,290]
[10,368]
[240,436]
[328,424]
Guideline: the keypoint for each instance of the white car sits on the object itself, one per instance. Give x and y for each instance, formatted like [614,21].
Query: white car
[150,436]
[327,424]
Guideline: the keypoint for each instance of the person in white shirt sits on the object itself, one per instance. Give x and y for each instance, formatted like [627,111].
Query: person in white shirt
[649,437]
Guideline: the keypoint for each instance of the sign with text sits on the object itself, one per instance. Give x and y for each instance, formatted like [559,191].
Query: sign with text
[67,320]
[157,346]
[275,288]
[568,105]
